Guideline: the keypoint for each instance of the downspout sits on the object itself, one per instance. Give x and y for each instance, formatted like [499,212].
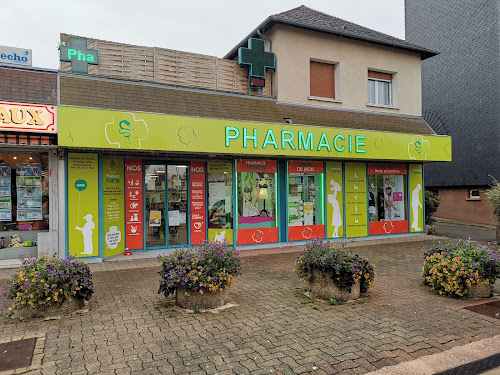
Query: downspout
[270,50]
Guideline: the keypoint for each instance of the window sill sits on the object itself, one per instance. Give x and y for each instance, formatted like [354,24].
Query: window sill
[473,199]
[324,99]
[381,106]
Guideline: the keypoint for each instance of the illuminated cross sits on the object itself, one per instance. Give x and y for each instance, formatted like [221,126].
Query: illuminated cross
[255,58]
[79,55]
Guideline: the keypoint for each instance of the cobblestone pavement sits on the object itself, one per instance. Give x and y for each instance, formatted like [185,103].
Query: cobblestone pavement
[275,328]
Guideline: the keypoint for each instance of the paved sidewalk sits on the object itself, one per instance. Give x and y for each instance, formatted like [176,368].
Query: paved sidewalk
[274,328]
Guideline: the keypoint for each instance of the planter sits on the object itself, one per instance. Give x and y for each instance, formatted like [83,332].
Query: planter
[67,307]
[323,287]
[207,300]
[479,291]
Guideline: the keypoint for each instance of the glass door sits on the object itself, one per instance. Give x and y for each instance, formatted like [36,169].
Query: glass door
[155,189]
[177,204]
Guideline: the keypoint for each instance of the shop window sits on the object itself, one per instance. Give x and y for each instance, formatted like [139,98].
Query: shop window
[24,202]
[220,201]
[380,88]
[474,194]
[322,80]
[305,200]
[387,198]
[257,206]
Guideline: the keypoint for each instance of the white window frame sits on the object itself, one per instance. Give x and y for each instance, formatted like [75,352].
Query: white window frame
[391,100]
[478,196]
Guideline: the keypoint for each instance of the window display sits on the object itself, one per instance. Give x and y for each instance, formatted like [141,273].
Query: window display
[220,201]
[387,201]
[305,200]
[24,202]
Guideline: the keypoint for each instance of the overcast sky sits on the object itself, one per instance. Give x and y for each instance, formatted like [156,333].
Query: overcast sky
[210,27]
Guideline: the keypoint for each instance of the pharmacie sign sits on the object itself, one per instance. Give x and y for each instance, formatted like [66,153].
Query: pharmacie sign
[78,55]
[28,117]
[82,127]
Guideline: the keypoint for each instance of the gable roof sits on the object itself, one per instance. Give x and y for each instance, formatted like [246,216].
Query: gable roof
[311,19]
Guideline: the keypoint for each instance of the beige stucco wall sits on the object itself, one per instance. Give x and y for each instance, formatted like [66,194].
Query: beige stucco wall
[294,48]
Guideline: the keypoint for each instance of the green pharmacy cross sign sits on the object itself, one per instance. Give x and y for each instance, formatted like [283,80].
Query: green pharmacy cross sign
[78,55]
[256,59]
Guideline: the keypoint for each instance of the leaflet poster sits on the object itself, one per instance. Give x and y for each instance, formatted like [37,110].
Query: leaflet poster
[5,192]
[83,204]
[416,198]
[334,200]
[134,205]
[198,202]
[29,192]
[356,200]
[113,200]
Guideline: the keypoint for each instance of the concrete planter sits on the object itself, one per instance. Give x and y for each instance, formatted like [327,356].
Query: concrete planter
[323,287]
[479,291]
[207,300]
[67,307]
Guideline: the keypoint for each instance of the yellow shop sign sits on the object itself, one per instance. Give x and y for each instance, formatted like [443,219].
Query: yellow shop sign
[81,127]
[27,117]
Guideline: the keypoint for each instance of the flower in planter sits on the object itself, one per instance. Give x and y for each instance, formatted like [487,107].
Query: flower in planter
[344,267]
[212,266]
[452,269]
[44,282]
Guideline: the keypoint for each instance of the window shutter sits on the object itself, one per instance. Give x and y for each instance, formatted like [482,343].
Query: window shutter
[322,80]
[378,75]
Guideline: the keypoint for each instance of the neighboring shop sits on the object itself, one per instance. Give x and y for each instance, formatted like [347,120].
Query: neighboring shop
[184,180]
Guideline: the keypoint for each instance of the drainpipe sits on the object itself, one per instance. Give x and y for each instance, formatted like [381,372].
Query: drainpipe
[270,50]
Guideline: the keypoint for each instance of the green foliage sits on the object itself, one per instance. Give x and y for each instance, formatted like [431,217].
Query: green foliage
[44,282]
[197,310]
[494,197]
[431,205]
[345,268]
[451,269]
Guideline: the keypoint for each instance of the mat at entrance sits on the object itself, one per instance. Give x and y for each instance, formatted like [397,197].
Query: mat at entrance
[16,354]
[491,309]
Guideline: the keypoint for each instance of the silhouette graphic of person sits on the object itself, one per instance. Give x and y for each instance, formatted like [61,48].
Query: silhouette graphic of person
[415,205]
[336,216]
[88,227]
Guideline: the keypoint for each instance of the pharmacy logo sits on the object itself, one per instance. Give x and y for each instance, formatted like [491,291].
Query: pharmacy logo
[388,227]
[125,131]
[419,148]
[307,233]
[258,236]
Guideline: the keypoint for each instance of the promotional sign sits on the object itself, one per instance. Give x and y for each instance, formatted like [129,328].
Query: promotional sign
[220,202]
[305,167]
[198,205]
[104,129]
[335,204]
[257,236]
[5,192]
[15,56]
[356,200]
[134,214]
[305,232]
[29,192]
[113,200]
[83,204]
[416,198]
[28,117]
[256,166]
[387,168]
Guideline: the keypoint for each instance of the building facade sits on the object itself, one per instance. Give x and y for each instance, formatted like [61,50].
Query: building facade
[461,89]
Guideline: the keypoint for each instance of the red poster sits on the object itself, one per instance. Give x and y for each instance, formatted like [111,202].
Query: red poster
[300,166]
[305,232]
[387,168]
[198,204]
[389,227]
[133,205]
[256,165]
[257,236]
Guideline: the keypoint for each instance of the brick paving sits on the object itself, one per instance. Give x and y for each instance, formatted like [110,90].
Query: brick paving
[275,329]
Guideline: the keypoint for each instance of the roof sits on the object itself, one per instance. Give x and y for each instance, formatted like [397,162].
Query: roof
[311,19]
[155,98]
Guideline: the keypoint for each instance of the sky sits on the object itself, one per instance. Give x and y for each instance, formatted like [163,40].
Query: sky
[209,27]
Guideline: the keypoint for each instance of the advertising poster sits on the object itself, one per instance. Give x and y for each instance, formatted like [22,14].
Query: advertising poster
[198,202]
[83,204]
[416,198]
[220,201]
[155,218]
[113,202]
[29,191]
[5,192]
[334,200]
[356,200]
[134,205]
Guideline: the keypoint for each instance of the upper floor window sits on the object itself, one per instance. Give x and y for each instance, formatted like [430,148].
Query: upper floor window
[322,80]
[380,88]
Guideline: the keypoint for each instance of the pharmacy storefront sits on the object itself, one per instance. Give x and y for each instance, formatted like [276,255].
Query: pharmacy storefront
[141,181]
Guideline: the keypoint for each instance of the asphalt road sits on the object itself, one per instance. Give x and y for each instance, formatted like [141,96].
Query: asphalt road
[453,230]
